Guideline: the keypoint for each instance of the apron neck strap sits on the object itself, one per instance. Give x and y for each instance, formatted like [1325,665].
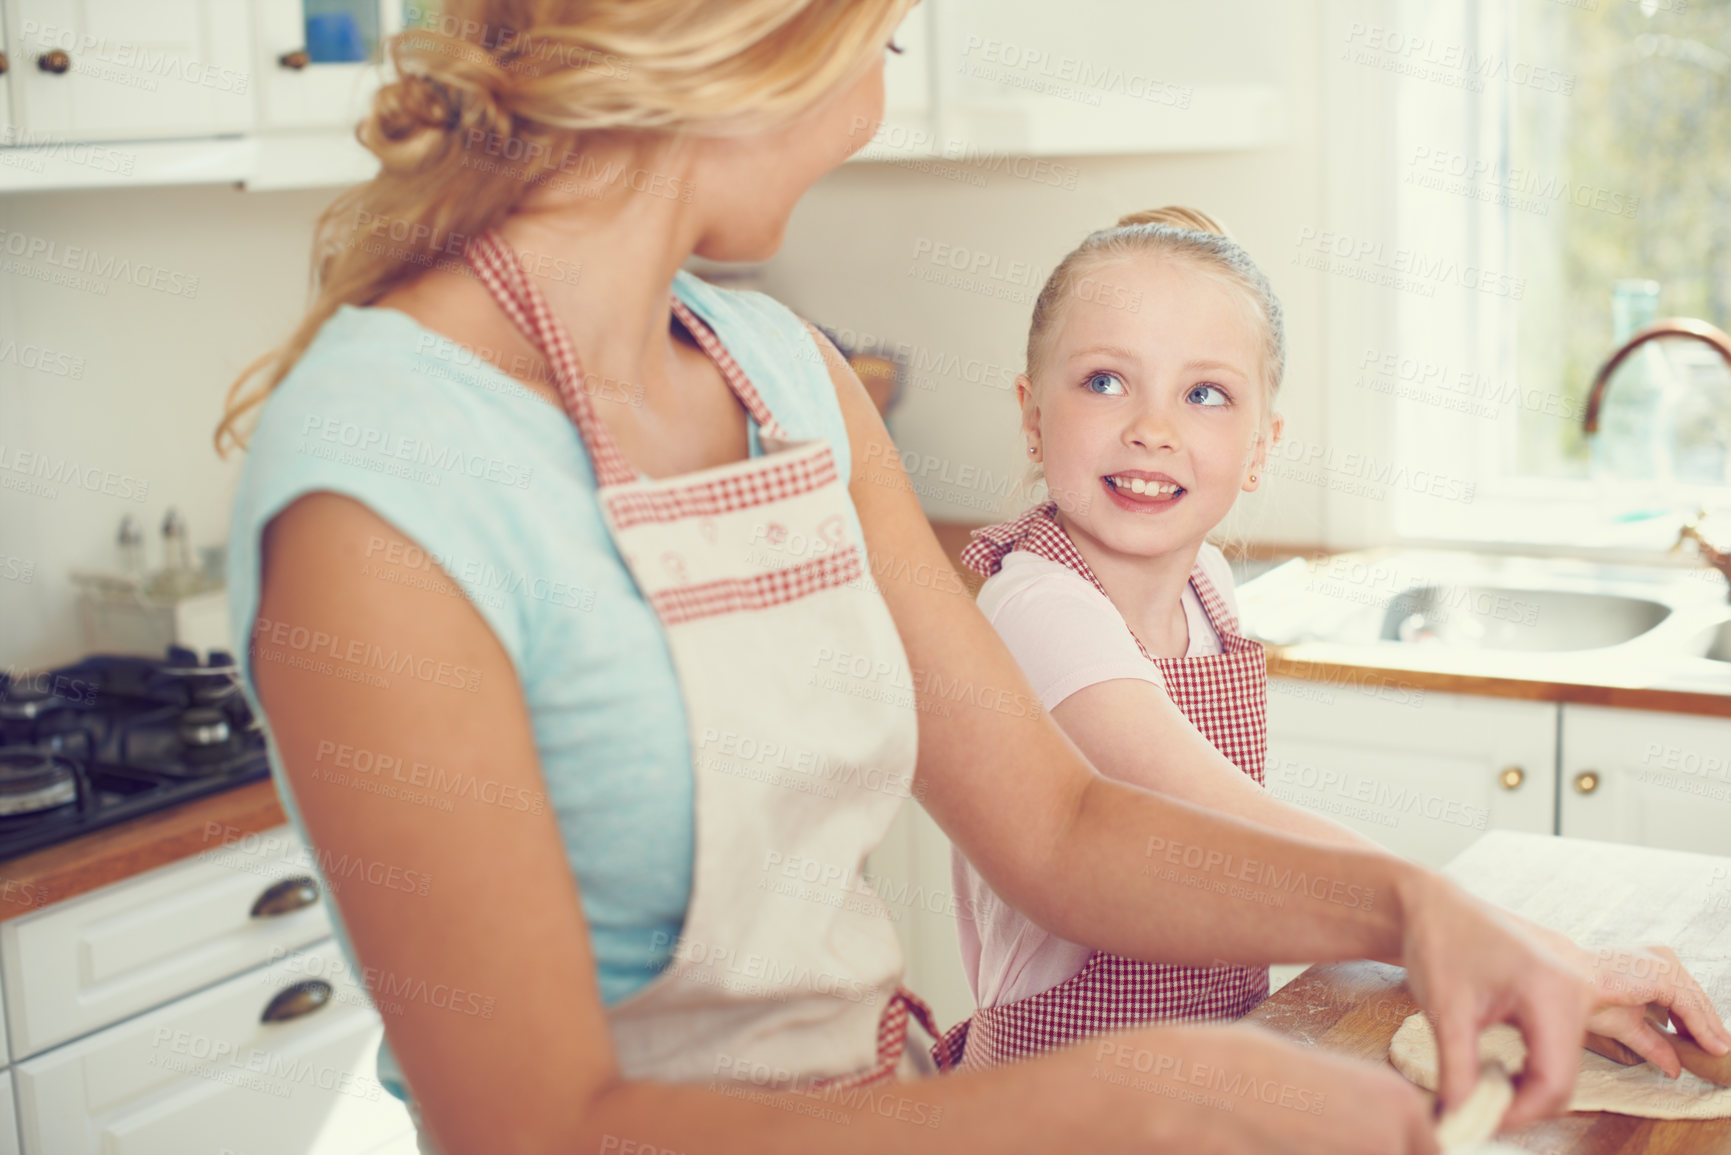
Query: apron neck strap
[496,266]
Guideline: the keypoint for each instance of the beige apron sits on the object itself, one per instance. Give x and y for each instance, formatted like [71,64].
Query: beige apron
[787,970]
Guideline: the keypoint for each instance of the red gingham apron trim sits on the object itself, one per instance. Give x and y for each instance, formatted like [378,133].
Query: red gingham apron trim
[1225,697]
[892,1041]
[758,592]
[776,481]
[730,370]
[496,266]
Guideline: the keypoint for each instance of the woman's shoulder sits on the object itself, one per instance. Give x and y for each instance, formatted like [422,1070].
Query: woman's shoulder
[377,411]
[778,354]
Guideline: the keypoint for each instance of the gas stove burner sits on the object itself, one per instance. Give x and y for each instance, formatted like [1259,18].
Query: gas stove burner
[114,736]
[24,703]
[32,781]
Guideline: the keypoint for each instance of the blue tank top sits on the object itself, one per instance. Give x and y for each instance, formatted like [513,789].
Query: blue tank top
[491,481]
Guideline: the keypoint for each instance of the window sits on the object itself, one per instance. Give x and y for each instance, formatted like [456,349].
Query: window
[1521,163]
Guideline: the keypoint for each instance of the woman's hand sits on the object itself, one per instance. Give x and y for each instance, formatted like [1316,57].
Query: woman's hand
[1228,1090]
[1472,966]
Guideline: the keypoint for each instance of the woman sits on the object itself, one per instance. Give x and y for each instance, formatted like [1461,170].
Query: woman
[550,533]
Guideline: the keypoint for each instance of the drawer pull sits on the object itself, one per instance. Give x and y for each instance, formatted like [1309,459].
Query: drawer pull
[1512,777]
[56,62]
[1587,781]
[291,894]
[296,60]
[296,1001]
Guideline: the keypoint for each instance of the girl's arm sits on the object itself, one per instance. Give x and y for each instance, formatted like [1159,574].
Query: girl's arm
[1117,724]
[1133,732]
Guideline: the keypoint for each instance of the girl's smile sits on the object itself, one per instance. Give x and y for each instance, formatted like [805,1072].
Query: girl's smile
[1148,422]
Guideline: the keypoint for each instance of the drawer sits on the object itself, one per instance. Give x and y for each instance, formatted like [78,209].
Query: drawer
[205,1075]
[79,965]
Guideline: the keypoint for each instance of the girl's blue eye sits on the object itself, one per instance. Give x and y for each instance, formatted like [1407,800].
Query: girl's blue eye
[1210,395]
[1105,383]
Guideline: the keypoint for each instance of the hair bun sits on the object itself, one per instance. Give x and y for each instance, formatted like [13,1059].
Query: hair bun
[1178,217]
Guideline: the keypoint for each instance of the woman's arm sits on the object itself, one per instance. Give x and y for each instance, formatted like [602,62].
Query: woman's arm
[516,1054]
[1119,868]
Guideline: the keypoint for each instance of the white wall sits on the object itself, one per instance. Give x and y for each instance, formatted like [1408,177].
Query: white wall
[853,242]
[155,365]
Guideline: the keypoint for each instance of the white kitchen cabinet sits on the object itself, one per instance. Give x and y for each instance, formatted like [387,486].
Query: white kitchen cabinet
[1648,778]
[1420,772]
[113,70]
[8,1116]
[1032,78]
[298,92]
[81,964]
[205,1074]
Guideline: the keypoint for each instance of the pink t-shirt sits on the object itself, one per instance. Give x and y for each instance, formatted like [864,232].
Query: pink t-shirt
[1067,636]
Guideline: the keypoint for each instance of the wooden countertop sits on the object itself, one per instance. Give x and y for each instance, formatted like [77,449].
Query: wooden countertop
[31,881]
[1599,893]
[1283,664]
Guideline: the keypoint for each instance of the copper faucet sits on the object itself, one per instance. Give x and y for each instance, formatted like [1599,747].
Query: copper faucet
[1716,556]
[1670,327]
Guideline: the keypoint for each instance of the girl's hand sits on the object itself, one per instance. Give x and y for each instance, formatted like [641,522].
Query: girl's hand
[1230,1090]
[1623,981]
[1471,966]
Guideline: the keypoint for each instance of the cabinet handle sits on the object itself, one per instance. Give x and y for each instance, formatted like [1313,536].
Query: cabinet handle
[1587,781]
[3,64]
[297,60]
[56,62]
[291,894]
[296,1001]
[1512,777]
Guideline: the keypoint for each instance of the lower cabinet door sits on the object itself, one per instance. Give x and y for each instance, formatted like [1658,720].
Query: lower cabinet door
[1647,778]
[1421,772]
[8,1116]
[206,1073]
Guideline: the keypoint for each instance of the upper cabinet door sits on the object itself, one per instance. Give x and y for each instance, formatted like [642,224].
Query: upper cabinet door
[1102,76]
[1647,778]
[318,60]
[128,69]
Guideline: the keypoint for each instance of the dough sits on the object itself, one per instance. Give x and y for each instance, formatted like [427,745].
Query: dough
[1476,1120]
[1641,1090]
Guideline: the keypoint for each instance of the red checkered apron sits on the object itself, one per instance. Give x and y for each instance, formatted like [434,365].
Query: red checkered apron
[1225,696]
[751,567]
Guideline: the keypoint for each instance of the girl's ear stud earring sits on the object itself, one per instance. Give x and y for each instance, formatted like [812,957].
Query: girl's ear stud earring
[1030,449]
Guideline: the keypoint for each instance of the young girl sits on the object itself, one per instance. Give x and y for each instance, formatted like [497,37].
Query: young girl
[1153,358]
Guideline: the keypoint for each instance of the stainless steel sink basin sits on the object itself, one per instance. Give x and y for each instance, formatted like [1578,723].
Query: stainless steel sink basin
[1716,643]
[1503,618]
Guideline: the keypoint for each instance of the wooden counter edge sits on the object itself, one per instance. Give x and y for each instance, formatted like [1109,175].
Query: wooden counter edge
[32,881]
[1371,679]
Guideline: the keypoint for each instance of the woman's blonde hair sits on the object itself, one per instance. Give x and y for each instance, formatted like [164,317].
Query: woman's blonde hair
[1181,234]
[492,96]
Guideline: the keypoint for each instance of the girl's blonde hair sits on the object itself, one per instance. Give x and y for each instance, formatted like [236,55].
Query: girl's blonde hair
[1181,234]
[494,96]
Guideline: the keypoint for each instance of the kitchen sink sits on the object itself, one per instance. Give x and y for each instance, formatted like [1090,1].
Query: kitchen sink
[1506,618]
[1716,643]
[1551,619]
